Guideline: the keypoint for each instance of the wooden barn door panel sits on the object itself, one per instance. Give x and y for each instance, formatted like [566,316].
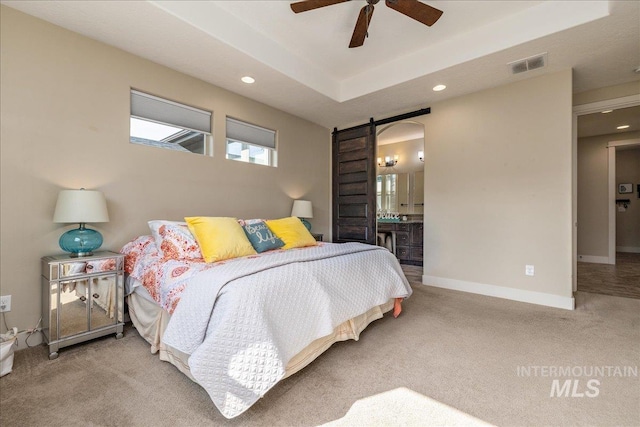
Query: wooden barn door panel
[354,177]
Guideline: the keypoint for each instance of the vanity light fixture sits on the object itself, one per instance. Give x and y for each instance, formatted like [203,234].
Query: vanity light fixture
[438,88]
[622,127]
[248,79]
[421,156]
[388,161]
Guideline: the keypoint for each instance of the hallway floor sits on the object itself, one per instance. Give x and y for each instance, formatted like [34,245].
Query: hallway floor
[413,273]
[620,280]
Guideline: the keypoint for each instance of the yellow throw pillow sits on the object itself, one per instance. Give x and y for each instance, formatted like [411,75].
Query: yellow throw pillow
[292,232]
[219,238]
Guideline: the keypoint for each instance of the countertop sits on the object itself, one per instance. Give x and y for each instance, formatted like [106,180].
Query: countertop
[398,221]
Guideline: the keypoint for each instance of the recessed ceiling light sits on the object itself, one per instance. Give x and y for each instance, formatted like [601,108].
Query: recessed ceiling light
[607,111]
[248,79]
[438,88]
[623,127]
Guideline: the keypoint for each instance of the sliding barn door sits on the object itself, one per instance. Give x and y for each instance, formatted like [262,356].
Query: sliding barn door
[354,191]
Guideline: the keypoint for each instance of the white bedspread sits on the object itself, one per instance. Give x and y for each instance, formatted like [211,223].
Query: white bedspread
[242,322]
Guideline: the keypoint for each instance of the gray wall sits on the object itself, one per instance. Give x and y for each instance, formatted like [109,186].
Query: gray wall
[498,189]
[628,222]
[65,124]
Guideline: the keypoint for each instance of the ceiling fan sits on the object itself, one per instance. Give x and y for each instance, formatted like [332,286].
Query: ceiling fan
[421,12]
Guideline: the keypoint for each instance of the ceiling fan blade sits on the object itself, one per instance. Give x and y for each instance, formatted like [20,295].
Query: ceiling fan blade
[303,6]
[421,12]
[362,25]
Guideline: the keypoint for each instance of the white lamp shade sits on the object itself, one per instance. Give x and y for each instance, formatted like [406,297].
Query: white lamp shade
[302,209]
[81,206]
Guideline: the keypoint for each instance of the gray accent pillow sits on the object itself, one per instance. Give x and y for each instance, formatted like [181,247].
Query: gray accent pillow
[261,237]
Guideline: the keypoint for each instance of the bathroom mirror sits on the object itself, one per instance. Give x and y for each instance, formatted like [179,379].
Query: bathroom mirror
[387,192]
[400,171]
[401,192]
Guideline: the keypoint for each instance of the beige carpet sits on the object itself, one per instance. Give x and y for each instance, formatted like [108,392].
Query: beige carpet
[403,407]
[451,359]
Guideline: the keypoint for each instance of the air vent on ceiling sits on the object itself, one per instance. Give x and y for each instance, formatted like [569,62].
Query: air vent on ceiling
[528,64]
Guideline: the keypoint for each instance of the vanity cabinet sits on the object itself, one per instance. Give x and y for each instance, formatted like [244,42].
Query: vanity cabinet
[82,298]
[408,240]
[417,237]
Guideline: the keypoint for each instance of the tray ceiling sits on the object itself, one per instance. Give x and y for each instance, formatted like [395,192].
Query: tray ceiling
[302,64]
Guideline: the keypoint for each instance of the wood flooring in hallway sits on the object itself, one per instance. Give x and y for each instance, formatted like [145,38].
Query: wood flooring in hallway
[413,273]
[619,280]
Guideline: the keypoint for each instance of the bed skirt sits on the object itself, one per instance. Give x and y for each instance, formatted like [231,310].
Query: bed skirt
[151,320]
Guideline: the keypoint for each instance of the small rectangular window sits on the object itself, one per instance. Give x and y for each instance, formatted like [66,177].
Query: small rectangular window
[166,124]
[250,143]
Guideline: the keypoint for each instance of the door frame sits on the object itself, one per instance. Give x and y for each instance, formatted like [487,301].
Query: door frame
[373,124]
[579,110]
[611,187]
[390,125]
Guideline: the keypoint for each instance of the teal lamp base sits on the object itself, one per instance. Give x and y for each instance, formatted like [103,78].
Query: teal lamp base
[80,241]
[306,223]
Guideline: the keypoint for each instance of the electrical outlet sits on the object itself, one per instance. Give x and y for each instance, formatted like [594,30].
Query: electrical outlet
[528,270]
[5,303]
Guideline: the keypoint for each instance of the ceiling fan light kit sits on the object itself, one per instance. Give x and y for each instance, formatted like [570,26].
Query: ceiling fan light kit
[414,9]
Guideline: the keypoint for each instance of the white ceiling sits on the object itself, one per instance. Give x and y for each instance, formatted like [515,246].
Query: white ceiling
[399,132]
[606,123]
[302,64]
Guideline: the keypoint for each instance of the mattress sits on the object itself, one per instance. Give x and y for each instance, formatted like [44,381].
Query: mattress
[151,320]
[275,312]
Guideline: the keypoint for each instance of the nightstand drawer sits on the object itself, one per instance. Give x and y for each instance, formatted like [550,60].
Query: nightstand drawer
[107,264]
[69,269]
[54,268]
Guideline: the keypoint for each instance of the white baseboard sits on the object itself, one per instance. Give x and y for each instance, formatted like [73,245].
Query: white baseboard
[540,298]
[594,259]
[630,249]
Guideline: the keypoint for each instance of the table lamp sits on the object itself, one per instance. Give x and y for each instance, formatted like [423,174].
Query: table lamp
[303,209]
[81,206]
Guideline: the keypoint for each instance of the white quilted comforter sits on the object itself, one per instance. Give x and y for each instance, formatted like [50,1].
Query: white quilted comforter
[242,322]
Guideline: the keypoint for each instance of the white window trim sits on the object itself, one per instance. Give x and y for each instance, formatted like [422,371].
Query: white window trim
[252,135]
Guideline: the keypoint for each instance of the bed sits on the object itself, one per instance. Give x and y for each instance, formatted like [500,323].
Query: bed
[239,326]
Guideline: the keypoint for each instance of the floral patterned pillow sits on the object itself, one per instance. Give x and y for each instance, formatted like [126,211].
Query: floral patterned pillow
[174,240]
[136,250]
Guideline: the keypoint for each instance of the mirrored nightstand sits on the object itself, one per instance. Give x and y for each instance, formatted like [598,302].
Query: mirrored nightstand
[82,298]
